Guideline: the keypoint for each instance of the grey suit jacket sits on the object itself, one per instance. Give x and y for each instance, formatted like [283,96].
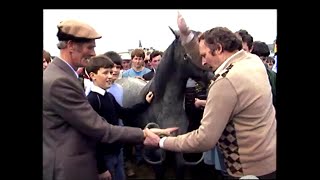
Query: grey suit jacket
[71,128]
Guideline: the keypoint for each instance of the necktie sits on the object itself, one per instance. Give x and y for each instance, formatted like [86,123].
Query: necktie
[81,80]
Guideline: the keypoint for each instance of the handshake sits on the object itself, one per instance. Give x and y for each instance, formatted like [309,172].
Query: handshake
[152,135]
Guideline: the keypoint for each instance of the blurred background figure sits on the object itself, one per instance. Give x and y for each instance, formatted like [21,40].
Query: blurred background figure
[137,69]
[46,59]
[126,62]
[275,50]
[247,40]
[270,62]
[147,60]
[153,62]
[116,70]
[262,50]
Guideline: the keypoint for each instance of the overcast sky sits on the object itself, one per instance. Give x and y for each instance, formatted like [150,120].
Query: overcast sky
[121,29]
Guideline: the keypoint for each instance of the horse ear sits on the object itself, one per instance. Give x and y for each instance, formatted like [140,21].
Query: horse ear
[174,32]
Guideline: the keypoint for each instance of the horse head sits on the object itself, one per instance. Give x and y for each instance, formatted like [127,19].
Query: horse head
[169,85]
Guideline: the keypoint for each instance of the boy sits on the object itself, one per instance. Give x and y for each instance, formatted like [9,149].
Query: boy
[115,89]
[138,69]
[109,155]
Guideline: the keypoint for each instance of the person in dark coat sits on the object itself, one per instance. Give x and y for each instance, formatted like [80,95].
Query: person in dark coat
[71,127]
[262,50]
[155,58]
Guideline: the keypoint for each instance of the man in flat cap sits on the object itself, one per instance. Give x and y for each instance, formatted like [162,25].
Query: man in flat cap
[71,128]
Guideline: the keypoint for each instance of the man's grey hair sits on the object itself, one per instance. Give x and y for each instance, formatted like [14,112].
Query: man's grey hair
[62,44]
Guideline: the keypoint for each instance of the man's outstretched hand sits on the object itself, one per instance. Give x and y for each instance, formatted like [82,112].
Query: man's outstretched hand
[151,139]
[164,132]
[152,135]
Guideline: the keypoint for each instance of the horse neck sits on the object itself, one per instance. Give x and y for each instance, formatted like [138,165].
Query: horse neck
[169,83]
[174,90]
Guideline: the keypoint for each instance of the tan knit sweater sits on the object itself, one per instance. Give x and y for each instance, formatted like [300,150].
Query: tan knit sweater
[239,117]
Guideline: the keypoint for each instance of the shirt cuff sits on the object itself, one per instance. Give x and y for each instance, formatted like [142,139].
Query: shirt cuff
[161,142]
[188,38]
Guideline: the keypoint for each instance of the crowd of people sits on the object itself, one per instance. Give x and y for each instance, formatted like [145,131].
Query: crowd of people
[88,134]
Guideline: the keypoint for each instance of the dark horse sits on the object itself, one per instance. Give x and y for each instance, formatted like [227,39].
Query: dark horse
[167,106]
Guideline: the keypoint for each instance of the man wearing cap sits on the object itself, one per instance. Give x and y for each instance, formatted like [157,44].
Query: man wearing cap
[71,128]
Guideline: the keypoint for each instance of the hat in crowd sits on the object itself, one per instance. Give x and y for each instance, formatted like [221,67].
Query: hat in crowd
[126,57]
[76,31]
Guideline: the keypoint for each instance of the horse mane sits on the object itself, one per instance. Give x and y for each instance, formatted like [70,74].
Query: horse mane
[165,69]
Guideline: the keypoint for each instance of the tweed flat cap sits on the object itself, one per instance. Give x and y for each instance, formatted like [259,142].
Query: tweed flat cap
[76,31]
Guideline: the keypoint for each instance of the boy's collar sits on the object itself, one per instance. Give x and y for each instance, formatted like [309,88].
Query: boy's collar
[98,89]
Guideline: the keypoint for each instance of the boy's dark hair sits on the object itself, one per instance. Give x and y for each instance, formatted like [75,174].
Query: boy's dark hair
[114,56]
[155,53]
[97,62]
[260,49]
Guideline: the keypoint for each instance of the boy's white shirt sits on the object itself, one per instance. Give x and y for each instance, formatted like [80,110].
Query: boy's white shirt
[97,89]
[87,86]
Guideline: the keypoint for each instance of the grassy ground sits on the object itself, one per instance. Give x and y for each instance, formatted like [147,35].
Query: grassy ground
[145,171]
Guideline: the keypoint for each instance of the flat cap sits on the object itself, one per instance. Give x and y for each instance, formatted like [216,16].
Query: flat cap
[76,31]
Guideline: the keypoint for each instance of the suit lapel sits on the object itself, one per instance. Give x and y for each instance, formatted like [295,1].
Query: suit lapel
[62,65]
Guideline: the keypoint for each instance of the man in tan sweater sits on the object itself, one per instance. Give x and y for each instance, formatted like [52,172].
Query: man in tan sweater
[239,115]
